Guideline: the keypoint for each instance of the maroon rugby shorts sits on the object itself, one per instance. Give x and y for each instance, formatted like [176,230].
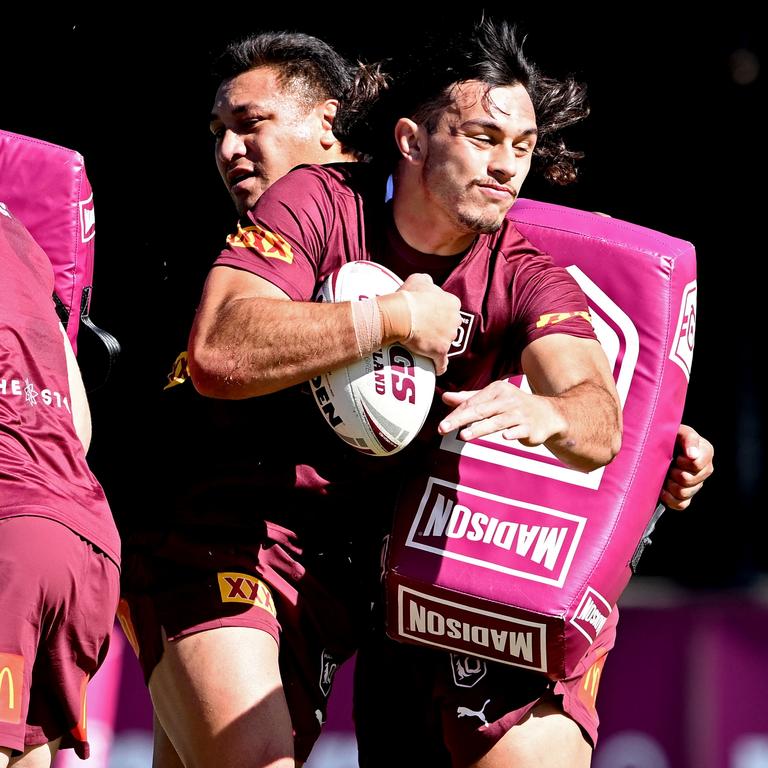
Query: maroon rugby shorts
[310,606]
[457,706]
[58,596]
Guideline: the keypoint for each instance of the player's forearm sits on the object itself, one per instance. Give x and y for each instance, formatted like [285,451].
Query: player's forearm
[587,426]
[258,346]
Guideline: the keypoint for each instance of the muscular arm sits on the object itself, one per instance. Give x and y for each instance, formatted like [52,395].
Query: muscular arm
[575,410]
[249,339]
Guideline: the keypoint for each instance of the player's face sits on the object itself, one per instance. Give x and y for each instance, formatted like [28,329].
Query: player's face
[262,130]
[479,155]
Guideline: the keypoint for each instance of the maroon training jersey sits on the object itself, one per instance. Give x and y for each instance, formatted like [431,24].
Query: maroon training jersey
[275,458]
[318,217]
[43,470]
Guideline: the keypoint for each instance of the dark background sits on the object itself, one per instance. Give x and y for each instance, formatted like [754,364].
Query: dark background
[674,142]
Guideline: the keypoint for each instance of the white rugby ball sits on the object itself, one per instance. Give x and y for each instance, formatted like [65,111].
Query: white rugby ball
[377,404]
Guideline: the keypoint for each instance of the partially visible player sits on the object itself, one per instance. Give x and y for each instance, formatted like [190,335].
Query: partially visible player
[465,137]
[265,121]
[249,545]
[311,224]
[59,548]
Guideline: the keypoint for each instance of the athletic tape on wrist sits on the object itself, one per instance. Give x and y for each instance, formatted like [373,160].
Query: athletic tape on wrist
[366,320]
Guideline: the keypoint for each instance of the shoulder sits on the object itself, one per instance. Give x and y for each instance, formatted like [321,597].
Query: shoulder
[331,179]
[323,189]
[515,253]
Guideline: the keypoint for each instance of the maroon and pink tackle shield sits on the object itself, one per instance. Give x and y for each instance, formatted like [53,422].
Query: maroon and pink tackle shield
[46,187]
[502,551]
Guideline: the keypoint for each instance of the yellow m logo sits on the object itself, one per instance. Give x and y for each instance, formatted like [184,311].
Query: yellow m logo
[11,676]
[6,672]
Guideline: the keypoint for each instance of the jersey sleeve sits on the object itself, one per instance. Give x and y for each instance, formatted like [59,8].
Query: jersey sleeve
[283,237]
[550,301]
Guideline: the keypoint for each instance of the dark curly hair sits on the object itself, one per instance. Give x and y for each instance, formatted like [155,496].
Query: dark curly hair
[420,85]
[310,68]
[303,62]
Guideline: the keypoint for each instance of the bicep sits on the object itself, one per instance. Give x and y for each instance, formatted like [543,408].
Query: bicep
[224,287]
[558,362]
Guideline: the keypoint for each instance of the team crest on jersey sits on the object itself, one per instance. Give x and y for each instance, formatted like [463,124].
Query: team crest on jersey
[467,670]
[460,343]
[268,244]
[328,667]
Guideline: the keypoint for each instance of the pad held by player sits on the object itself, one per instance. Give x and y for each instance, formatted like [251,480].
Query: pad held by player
[379,403]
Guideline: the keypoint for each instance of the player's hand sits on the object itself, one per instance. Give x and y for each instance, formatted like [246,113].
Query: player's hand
[501,406]
[435,319]
[691,465]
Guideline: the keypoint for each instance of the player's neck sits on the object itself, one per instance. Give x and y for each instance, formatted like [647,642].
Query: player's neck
[337,154]
[426,227]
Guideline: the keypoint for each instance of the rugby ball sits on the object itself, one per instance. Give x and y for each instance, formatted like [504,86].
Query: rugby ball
[379,403]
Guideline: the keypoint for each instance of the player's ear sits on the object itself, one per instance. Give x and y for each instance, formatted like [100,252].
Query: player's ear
[410,138]
[326,111]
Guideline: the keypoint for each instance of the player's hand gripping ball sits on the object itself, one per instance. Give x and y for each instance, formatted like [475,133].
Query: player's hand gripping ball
[379,403]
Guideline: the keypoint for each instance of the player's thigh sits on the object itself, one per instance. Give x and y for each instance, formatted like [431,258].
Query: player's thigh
[164,754]
[219,697]
[40,756]
[545,738]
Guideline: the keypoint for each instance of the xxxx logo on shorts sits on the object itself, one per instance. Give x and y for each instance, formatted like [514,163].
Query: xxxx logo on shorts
[11,686]
[261,240]
[553,318]
[242,588]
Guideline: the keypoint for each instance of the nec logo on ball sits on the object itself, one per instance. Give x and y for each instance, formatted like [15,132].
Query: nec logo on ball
[501,534]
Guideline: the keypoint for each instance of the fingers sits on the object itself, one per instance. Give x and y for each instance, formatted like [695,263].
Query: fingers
[675,497]
[672,502]
[693,454]
[491,409]
[457,398]
[691,446]
[692,465]
[441,364]
[435,319]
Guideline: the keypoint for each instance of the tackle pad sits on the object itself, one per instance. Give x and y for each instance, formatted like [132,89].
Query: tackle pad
[46,187]
[502,551]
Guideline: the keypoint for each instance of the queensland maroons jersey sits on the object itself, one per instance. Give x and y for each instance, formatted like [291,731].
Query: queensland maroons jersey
[43,470]
[318,217]
[274,457]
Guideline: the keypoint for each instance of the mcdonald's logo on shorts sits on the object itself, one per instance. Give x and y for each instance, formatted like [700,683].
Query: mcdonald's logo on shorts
[11,686]
[80,731]
[242,588]
[591,682]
